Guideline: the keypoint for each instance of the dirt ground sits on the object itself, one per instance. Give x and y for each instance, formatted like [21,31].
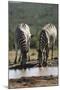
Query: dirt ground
[33,55]
[26,82]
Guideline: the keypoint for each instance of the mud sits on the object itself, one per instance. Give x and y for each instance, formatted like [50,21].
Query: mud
[26,82]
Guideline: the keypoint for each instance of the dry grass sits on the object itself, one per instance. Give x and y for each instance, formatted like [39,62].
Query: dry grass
[33,55]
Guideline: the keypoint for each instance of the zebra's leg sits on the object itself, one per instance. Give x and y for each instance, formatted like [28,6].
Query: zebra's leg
[45,57]
[20,57]
[40,58]
[52,52]
[29,58]
[29,55]
[45,60]
[28,50]
[15,61]
[24,59]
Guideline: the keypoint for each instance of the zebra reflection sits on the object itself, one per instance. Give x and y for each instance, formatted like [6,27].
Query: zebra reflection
[47,39]
[22,41]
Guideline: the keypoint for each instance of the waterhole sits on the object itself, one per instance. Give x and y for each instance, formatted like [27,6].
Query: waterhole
[36,71]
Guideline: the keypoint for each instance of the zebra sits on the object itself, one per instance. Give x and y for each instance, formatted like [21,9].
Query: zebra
[22,41]
[47,39]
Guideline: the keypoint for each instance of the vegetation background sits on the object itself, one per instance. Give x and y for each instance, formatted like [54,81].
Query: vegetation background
[36,15]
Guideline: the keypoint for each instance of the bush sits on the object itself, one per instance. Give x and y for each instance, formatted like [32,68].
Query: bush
[11,40]
[34,43]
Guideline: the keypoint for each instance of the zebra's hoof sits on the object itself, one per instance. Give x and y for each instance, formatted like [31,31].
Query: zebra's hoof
[40,65]
[23,64]
[44,64]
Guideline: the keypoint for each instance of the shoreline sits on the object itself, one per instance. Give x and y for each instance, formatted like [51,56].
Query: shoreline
[27,82]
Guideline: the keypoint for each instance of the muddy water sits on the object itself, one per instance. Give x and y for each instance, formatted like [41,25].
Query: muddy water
[36,71]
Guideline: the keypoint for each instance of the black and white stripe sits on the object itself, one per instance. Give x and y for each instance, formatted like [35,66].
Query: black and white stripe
[43,47]
[45,42]
[22,41]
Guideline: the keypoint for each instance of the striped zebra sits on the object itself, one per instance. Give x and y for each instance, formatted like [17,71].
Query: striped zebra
[22,41]
[47,39]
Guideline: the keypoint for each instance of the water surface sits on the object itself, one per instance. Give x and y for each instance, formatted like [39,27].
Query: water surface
[36,71]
